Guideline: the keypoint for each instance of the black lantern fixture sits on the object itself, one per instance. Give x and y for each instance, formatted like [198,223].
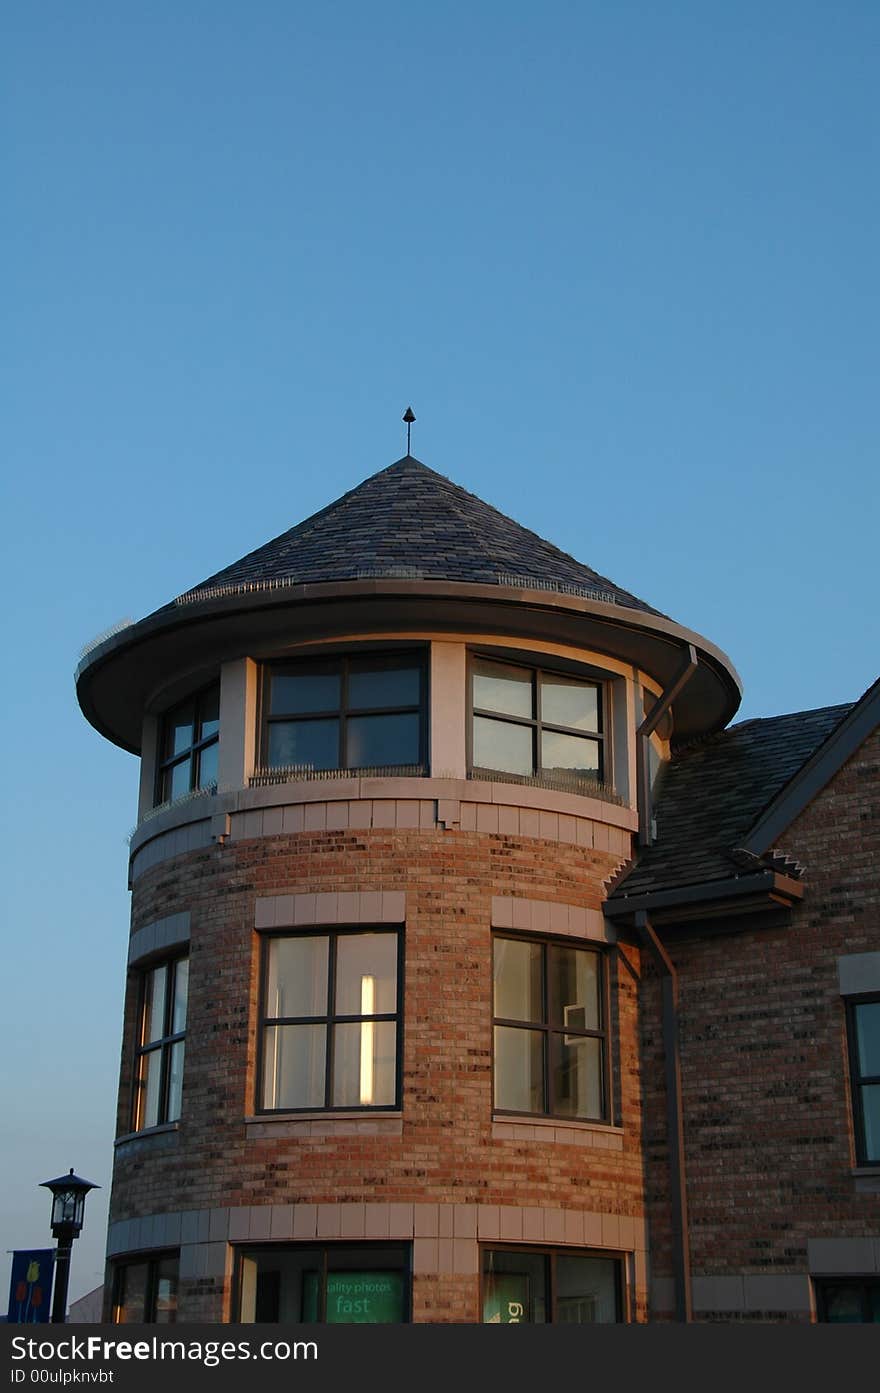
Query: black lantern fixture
[68,1203]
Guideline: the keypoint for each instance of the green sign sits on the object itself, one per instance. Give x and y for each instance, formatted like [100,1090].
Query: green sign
[506,1299]
[356,1298]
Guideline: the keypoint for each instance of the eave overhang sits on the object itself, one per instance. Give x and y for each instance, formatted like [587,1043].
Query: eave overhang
[121,678]
[714,900]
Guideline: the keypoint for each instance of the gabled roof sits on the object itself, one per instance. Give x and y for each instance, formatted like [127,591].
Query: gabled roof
[408,522]
[713,793]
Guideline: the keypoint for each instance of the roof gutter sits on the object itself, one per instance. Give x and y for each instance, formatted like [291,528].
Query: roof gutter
[775,886]
[681,1257]
[645,731]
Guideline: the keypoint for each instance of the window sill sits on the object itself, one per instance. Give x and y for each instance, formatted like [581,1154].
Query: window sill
[324,1124]
[865,1170]
[556,1130]
[165,1132]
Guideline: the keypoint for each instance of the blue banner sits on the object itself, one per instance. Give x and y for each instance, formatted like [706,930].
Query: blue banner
[30,1286]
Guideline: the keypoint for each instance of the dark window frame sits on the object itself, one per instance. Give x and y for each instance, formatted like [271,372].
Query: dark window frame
[165,763]
[342,660]
[152,1260]
[536,722]
[327,1250]
[333,933]
[864,1284]
[164,1043]
[858,1080]
[548,943]
[551,1252]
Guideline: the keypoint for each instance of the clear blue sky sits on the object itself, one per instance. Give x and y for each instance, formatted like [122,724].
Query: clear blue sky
[621,258]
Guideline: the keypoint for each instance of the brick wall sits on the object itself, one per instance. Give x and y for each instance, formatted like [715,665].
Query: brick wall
[768,1130]
[446,1151]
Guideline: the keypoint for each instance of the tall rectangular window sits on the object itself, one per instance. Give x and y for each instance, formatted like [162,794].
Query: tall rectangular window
[364,711]
[529,721]
[863,1021]
[145,1290]
[330,1021]
[529,1287]
[351,1284]
[549,1021]
[160,1043]
[189,746]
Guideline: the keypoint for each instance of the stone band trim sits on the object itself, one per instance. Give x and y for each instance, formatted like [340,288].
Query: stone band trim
[600,1137]
[742,1293]
[858,972]
[159,936]
[445,1237]
[833,1257]
[383,803]
[549,917]
[346,907]
[333,1125]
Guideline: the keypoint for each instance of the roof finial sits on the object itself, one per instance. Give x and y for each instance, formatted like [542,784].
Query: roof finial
[408,417]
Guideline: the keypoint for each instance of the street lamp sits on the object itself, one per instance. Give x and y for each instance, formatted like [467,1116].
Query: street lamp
[68,1202]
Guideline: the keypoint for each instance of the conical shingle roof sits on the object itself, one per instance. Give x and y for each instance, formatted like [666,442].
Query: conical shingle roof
[408,522]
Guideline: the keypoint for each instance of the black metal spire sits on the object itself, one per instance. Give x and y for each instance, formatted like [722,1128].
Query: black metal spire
[408,417]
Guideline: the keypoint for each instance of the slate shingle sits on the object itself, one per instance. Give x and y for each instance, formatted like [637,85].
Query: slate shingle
[713,792]
[411,522]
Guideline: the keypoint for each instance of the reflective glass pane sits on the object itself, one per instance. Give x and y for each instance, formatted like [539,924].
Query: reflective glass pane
[868,1035]
[498,687]
[366,974]
[874,1303]
[518,978]
[586,1290]
[149,1080]
[295,693]
[871,1118]
[175,1081]
[178,780]
[208,760]
[574,988]
[154,1005]
[567,702]
[304,744]
[181,988]
[131,1304]
[514,1288]
[166,1291]
[209,713]
[519,1069]
[294,1066]
[377,740]
[364,1064]
[843,1305]
[297,977]
[569,752]
[577,1075]
[503,746]
[382,686]
[179,729]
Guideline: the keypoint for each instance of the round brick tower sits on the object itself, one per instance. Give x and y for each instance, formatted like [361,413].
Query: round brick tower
[381,1048]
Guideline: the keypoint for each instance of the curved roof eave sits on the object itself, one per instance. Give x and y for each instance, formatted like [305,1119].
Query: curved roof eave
[117,680]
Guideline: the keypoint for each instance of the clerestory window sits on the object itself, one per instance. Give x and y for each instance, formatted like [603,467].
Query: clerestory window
[189,746]
[364,711]
[531,721]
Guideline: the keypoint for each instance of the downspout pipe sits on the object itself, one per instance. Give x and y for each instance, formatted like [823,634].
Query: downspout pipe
[645,730]
[681,1258]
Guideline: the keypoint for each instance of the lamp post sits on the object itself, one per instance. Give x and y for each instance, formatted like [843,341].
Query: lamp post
[68,1202]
